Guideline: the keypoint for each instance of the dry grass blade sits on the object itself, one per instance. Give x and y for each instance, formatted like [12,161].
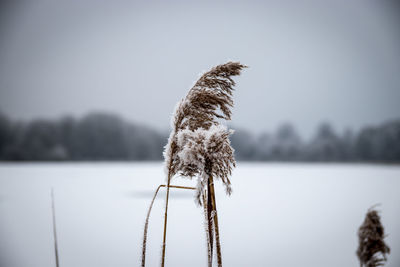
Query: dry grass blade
[53,210]
[372,248]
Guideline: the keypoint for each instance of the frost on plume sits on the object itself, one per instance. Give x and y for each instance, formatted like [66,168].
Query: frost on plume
[198,145]
[205,152]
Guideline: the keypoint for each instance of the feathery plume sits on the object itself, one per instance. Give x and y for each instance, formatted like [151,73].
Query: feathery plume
[203,153]
[199,146]
[207,101]
[372,248]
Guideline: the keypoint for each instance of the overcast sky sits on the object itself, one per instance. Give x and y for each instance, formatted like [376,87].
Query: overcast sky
[310,61]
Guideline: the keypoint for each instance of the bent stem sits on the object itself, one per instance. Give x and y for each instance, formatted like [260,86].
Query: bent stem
[146,225]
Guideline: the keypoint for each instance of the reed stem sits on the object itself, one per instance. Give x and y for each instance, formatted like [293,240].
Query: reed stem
[210,222]
[53,209]
[215,220]
[165,223]
[208,226]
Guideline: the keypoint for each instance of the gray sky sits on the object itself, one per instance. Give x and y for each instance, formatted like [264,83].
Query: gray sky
[310,61]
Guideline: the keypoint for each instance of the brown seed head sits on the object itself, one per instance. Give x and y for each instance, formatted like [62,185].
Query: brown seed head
[372,248]
[198,145]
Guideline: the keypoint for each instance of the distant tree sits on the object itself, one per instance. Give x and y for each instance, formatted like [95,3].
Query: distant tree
[67,127]
[99,136]
[41,141]
[367,145]
[144,143]
[264,146]
[388,138]
[13,149]
[380,143]
[326,145]
[347,144]
[5,133]
[287,144]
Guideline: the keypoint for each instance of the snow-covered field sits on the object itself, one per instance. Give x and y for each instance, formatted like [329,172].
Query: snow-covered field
[279,214]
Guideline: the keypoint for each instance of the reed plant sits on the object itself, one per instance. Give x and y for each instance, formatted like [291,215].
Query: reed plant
[199,147]
[372,248]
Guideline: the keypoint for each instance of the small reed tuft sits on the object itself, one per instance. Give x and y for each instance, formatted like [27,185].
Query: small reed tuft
[372,248]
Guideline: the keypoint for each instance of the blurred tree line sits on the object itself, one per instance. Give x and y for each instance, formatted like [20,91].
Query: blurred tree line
[370,144]
[94,137]
[100,136]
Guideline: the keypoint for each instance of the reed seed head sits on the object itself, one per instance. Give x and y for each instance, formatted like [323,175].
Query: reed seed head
[198,145]
[372,248]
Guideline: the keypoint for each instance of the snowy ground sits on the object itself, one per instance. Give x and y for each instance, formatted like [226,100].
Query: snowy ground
[279,215]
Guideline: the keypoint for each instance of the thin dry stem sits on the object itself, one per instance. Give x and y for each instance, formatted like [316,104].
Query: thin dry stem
[165,223]
[53,209]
